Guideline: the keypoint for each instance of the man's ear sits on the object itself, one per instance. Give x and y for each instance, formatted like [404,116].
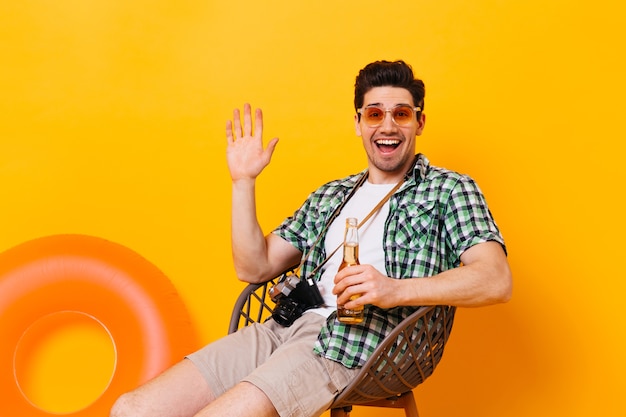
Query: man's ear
[421,123]
[357,125]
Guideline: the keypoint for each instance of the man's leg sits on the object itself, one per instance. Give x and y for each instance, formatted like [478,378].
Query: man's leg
[181,391]
[244,399]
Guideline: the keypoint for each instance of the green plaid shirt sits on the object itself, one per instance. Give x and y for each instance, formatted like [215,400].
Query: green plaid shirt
[433,218]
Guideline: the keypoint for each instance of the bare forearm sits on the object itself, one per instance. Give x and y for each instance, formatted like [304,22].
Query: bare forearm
[249,247]
[483,280]
[464,287]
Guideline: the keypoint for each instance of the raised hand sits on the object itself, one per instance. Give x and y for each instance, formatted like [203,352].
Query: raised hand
[245,154]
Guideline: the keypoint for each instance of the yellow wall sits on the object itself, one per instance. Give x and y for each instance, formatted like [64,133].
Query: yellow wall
[112,124]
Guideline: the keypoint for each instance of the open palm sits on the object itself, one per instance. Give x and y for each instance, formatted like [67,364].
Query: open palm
[245,154]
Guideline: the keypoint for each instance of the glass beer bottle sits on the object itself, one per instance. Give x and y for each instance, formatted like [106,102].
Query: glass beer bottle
[350,257]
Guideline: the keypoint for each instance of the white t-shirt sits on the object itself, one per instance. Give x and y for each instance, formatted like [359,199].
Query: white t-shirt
[370,238]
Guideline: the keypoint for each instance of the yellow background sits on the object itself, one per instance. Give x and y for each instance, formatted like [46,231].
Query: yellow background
[112,118]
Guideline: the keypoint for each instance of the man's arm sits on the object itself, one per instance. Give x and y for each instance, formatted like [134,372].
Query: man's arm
[484,279]
[256,257]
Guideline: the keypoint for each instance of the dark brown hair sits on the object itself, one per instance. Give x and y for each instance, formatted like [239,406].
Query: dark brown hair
[388,74]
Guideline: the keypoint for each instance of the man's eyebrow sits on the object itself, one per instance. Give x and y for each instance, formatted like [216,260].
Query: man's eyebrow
[381,105]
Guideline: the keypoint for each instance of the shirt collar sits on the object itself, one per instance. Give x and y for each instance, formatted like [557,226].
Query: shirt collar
[421,167]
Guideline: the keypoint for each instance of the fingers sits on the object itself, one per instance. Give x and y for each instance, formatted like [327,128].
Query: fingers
[362,280]
[235,130]
[258,122]
[229,132]
[236,125]
[345,279]
[247,120]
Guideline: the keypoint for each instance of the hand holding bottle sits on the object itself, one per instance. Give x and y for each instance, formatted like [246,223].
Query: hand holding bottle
[371,287]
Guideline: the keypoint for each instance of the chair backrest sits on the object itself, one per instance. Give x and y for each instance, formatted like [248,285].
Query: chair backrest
[407,356]
[252,306]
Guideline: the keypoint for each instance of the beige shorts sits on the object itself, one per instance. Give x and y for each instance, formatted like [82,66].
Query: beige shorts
[279,361]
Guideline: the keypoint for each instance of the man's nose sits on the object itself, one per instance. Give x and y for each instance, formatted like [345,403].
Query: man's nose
[388,124]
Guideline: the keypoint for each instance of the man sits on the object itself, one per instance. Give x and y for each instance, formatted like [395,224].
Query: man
[436,228]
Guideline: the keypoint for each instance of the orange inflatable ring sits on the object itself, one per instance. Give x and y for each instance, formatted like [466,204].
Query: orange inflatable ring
[135,301]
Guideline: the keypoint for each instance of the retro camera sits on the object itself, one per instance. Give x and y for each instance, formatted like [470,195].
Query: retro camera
[293,296]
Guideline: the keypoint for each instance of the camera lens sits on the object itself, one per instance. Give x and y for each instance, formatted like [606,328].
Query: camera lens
[286,311]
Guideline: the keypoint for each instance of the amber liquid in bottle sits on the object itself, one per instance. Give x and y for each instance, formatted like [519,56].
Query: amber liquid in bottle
[350,257]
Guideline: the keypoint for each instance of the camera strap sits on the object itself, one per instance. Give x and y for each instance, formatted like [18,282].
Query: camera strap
[361,223]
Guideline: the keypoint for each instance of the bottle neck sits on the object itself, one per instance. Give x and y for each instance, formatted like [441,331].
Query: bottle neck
[351,254]
[351,243]
[351,236]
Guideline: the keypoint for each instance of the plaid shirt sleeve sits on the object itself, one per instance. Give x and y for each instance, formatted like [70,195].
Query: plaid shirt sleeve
[468,220]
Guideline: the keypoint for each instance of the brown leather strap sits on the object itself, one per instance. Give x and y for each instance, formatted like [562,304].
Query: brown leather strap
[327,225]
[371,213]
[380,203]
[336,213]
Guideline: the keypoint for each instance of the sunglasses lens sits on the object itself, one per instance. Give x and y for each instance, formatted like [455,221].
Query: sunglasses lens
[403,115]
[373,115]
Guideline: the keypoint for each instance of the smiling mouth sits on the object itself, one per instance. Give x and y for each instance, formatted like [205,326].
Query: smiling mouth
[387,145]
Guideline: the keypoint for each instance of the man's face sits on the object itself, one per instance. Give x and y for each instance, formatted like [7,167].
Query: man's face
[390,147]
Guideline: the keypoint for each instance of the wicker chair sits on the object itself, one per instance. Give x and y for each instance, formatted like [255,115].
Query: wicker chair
[405,358]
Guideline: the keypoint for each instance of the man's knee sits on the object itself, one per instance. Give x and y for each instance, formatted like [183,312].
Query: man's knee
[124,406]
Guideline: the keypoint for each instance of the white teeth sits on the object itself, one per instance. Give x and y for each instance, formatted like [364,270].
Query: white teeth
[387,142]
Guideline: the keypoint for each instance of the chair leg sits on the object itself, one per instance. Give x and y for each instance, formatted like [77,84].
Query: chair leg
[340,412]
[410,407]
[405,401]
